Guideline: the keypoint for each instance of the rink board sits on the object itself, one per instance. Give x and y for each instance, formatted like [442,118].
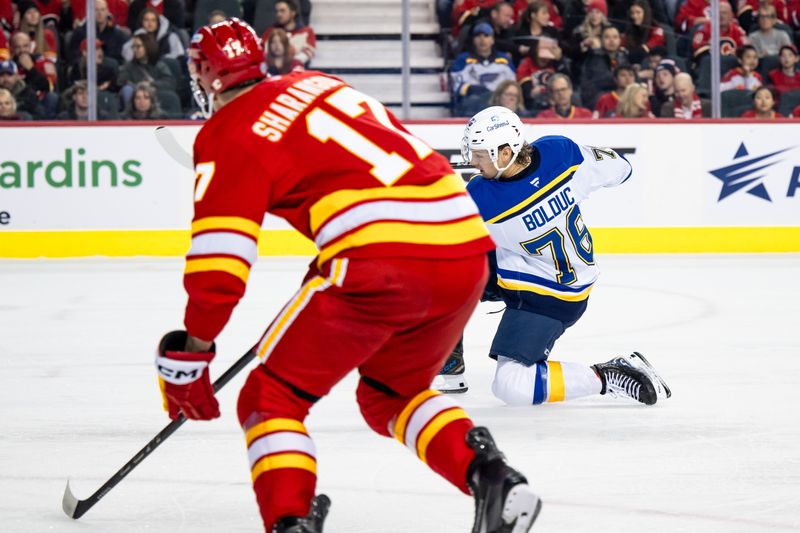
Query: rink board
[72,191]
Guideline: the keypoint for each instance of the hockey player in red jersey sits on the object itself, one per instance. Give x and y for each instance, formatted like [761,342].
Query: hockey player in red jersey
[401,264]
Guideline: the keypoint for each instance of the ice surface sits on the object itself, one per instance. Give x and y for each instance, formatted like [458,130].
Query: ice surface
[79,397]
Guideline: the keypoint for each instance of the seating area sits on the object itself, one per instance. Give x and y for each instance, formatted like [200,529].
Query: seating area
[464,55]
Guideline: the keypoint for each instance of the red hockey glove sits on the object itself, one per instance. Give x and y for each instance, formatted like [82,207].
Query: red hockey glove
[183,377]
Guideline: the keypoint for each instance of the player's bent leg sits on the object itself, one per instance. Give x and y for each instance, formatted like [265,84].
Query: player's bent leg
[517,383]
[429,423]
[281,453]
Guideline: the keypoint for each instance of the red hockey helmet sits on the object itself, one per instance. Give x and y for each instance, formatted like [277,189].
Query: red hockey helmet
[225,55]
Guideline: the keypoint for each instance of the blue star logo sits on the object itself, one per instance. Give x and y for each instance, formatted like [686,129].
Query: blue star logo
[745,173]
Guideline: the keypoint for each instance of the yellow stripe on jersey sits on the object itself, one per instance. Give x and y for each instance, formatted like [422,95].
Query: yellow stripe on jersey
[518,286]
[243,225]
[331,204]
[228,265]
[274,425]
[434,427]
[555,380]
[538,194]
[283,460]
[405,415]
[461,232]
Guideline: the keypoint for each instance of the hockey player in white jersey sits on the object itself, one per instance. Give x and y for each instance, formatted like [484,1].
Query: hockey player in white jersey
[529,196]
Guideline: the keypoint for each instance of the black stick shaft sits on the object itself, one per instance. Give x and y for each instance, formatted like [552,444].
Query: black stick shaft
[81,506]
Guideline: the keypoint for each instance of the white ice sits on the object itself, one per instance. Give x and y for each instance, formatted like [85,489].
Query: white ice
[78,398]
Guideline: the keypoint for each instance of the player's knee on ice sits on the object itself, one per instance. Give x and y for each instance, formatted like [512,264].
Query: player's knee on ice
[513,382]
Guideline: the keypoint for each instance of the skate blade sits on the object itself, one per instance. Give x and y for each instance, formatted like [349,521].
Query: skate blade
[663,390]
[520,509]
[450,383]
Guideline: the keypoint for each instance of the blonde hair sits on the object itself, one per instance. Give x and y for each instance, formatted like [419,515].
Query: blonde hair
[626,108]
[501,88]
[6,92]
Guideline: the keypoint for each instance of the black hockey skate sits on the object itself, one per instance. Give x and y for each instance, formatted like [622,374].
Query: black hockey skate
[631,377]
[504,502]
[451,377]
[312,523]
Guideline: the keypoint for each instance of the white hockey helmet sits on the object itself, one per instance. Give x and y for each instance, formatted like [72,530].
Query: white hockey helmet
[491,129]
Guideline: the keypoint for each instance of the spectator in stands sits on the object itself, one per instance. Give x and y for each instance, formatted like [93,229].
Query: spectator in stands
[748,12]
[24,95]
[501,17]
[786,78]
[744,76]
[646,70]
[467,13]
[51,12]
[509,95]
[555,14]
[478,72]
[301,37]
[113,38]
[117,9]
[76,104]
[588,35]
[39,73]
[598,69]
[545,58]
[641,33]
[693,13]
[8,107]
[172,9]
[535,23]
[796,112]
[606,106]
[731,35]
[44,39]
[217,15]
[763,105]
[169,43]
[145,66]
[686,104]
[279,54]
[664,86]
[768,40]
[6,21]
[144,105]
[107,70]
[559,88]
[634,103]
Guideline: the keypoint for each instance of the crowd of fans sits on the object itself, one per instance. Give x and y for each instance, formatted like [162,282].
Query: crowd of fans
[140,54]
[621,58]
[543,58]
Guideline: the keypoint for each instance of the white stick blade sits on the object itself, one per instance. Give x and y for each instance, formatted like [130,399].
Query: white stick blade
[170,145]
[69,503]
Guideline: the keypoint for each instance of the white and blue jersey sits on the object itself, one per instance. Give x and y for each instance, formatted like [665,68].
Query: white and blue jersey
[545,256]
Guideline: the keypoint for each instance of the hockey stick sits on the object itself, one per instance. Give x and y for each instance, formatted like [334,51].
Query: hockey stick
[170,145]
[76,508]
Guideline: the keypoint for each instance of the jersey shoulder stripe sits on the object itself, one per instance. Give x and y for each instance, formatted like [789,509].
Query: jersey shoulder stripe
[500,201]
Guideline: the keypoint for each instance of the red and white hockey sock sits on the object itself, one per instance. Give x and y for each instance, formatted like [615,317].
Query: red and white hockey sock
[283,468]
[550,381]
[434,427]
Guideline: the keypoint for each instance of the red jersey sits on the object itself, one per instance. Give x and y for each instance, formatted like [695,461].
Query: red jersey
[656,38]
[606,106]
[751,113]
[728,41]
[793,13]
[337,166]
[782,82]
[574,112]
[690,13]
[302,40]
[5,53]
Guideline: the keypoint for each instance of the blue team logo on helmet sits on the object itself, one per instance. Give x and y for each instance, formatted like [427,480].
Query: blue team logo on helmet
[746,173]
